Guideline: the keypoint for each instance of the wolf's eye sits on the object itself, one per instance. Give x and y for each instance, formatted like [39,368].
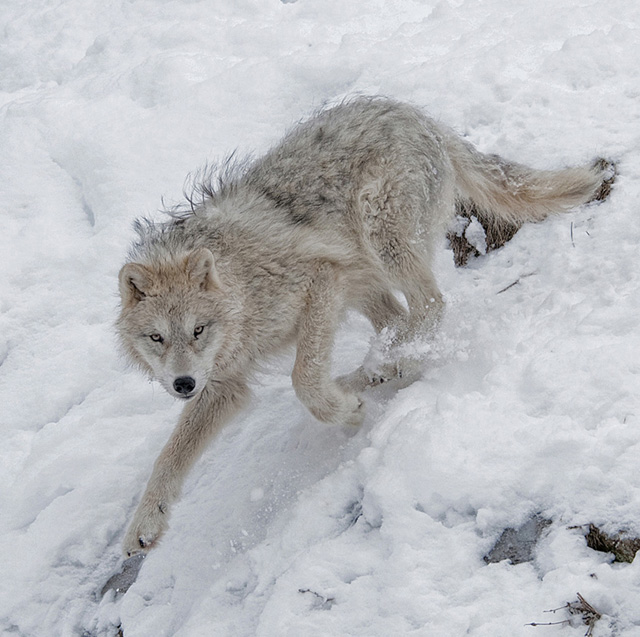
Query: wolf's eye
[156,338]
[198,331]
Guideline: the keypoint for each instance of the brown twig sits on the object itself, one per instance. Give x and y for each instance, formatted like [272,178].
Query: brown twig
[580,607]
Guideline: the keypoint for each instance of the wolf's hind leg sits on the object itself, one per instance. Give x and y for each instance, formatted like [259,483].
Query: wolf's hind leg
[383,310]
[385,313]
[311,373]
[395,358]
[425,303]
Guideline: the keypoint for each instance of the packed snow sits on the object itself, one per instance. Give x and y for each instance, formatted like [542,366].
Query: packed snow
[530,398]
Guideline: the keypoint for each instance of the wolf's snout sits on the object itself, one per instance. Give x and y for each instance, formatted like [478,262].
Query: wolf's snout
[184,385]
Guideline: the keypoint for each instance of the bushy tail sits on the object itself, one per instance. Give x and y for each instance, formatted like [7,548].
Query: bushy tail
[513,194]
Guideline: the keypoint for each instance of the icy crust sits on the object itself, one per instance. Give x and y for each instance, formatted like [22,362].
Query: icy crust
[529,400]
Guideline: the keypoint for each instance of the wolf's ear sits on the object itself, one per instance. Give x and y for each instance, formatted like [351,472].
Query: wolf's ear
[201,268]
[134,280]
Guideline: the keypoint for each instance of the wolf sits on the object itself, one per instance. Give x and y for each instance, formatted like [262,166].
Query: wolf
[344,213]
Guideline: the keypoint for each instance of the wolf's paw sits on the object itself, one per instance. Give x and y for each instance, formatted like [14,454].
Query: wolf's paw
[356,381]
[354,412]
[359,379]
[146,528]
[334,405]
[400,373]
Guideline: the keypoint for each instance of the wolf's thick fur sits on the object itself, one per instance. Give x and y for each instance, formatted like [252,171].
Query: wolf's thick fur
[341,214]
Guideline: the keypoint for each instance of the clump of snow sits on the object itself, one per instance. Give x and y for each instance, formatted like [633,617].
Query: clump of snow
[474,233]
[529,401]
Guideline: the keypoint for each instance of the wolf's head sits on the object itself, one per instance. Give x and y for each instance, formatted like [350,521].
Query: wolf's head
[174,319]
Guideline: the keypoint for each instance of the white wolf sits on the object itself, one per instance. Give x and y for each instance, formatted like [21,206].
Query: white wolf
[343,213]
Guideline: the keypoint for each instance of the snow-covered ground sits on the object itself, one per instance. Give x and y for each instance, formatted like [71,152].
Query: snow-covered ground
[530,402]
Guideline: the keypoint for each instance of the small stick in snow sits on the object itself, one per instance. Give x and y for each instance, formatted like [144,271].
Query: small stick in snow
[524,276]
[323,602]
[572,241]
[564,622]
[581,607]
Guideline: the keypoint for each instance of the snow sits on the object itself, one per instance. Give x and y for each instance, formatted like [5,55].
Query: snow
[530,401]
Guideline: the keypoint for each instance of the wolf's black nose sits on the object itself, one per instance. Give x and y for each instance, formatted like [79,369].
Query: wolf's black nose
[184,384]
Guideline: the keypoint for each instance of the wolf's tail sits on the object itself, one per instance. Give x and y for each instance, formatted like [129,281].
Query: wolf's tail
[512,194]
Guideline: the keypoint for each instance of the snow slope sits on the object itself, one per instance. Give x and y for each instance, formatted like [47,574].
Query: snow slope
[530,400]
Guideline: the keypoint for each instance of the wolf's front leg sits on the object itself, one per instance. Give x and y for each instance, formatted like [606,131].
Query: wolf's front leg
[311,373]
[199,421]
